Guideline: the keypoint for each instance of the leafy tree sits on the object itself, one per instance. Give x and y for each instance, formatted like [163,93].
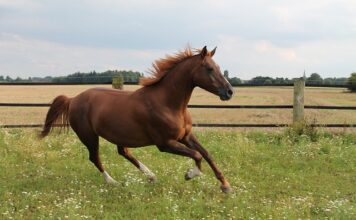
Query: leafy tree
[2,78]
[351,83]
[8,79]
[328,81]
[95,77]
[261,80]
[234,81]
[314,79]
[268,81]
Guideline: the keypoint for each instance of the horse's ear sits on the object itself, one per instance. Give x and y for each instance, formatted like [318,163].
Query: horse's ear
[212,52]
[203,52]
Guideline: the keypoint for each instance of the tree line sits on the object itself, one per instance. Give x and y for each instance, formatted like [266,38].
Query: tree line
[313,79]
[82,77]
[133,77]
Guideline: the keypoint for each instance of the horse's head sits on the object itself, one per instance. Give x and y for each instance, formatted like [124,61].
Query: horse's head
[207,75]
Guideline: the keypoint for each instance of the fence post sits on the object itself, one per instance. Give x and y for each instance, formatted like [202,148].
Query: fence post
[298,103]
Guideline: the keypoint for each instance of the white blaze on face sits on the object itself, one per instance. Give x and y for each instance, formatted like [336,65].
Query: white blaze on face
[108,178]
[146,171]
[193,172]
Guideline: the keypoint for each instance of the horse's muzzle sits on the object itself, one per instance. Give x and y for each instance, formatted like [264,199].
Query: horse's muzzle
[226,93]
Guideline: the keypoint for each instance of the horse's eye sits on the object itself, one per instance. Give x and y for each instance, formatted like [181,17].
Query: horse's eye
[210,69]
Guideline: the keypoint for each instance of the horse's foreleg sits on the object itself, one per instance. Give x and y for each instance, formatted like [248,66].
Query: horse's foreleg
[192,142]
[175,147]
[127,154]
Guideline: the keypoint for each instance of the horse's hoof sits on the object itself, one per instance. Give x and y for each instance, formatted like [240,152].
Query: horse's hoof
[226,188]
[152,179]
[187,177]
[191,173]
[112,182]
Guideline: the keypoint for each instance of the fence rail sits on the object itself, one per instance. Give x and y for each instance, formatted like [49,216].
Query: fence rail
[136,83]
[209,106]
[230,125]
[209,125]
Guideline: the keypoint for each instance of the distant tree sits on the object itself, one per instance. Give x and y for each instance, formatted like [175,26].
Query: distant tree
[329,81]
[351,82]
[341,81]
[226,74]
[268,81]
[261,80]
[104,77]
[2,78]
[279,80]
[234,81]
[8,79]
[314,79]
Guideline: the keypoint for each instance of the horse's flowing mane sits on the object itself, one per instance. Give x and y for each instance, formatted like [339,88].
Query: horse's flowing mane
[162,66]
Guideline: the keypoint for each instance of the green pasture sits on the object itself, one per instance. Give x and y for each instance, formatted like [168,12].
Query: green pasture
[277,175]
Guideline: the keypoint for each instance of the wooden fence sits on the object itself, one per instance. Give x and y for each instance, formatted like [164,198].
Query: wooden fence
[298,111]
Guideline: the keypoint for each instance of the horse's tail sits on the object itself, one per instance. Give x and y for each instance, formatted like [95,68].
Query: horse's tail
[57,115]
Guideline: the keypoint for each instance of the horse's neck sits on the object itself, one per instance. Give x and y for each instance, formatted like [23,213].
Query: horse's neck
[177,86]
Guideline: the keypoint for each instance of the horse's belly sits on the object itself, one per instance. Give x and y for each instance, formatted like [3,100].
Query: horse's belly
[124,133]
[127,140]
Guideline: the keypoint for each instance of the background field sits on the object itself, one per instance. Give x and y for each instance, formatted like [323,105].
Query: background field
[243,95]
[273,175]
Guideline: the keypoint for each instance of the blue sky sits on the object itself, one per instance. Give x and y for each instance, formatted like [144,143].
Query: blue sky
[256,37]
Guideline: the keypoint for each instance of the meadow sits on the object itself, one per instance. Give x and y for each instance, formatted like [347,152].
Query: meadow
[243,95]
[274,175]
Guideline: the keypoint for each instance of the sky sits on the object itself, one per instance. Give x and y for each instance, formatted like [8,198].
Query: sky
[279,38]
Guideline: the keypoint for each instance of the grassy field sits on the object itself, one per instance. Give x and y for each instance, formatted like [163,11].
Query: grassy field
[274,176]
[244,95]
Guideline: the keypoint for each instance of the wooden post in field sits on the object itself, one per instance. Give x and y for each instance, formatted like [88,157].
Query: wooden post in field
[298,103]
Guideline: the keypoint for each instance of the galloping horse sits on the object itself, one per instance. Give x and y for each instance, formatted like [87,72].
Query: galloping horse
[155,114]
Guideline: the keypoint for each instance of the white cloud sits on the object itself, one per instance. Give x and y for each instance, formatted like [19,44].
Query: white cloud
[253,37]
[21,5]
[246,58]
[31,57]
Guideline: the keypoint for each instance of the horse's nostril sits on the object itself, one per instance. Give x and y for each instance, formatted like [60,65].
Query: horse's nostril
[230,92]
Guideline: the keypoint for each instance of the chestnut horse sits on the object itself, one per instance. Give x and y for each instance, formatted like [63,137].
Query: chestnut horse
[155,114]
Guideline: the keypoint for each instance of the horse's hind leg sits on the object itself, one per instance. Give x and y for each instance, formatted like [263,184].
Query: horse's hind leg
[91,141]
[125,152]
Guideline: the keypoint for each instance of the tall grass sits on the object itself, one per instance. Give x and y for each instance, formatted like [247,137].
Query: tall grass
[273,175]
